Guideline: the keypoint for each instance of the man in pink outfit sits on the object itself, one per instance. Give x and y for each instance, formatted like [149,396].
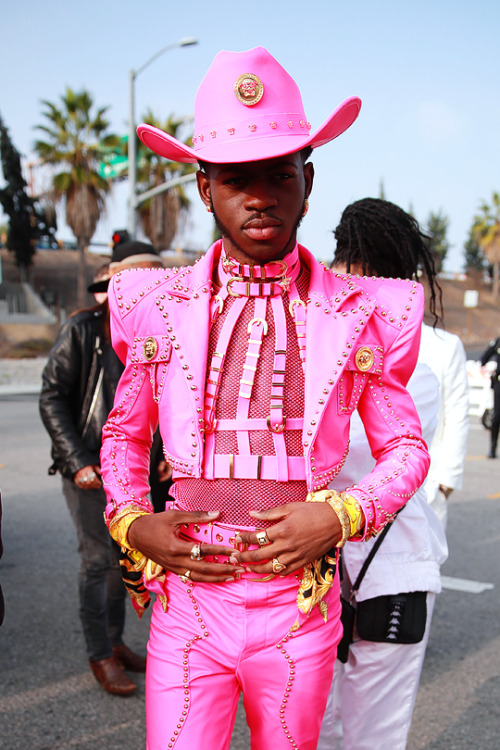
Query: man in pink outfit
[251,362]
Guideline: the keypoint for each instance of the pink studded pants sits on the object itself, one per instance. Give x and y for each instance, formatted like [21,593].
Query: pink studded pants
[217,640]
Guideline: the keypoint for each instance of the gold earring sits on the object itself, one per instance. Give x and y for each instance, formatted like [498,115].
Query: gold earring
[208,209]
[306,207]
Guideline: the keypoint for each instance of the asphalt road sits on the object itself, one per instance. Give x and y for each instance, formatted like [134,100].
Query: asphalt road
[49,700]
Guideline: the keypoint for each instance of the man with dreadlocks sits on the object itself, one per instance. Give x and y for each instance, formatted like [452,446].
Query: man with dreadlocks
[252,362]
[376,237]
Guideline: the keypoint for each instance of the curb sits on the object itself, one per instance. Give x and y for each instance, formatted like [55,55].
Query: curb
[19,377]
[19,390]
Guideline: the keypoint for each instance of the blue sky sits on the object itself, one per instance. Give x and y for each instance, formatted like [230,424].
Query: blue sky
[427,72]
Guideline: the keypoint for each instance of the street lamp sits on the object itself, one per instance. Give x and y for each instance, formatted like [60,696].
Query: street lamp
[132,152]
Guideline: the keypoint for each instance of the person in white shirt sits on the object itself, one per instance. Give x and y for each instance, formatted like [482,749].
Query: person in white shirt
[444,353]
[373,694]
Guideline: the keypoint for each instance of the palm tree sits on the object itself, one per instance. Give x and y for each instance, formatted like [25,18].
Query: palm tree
[161,216]
[437,228]
[76,139]
[486,231]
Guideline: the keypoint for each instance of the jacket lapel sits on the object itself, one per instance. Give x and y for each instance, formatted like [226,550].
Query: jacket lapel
[189,318]
[337,314]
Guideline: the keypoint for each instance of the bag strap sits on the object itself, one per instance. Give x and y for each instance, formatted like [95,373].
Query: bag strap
[369,558]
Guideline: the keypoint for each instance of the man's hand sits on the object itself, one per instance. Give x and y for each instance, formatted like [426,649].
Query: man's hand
[88,478]
[163,471]
[302,533]
[157,537]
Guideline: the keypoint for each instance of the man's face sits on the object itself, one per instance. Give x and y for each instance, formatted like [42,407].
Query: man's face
[258,205]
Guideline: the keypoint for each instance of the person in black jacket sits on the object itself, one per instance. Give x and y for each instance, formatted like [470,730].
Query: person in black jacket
[78,388]
[492,354]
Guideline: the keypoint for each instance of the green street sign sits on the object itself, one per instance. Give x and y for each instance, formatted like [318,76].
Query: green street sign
[115,161]
[114,167]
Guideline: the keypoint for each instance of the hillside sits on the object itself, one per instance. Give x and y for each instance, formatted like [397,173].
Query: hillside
[475,326]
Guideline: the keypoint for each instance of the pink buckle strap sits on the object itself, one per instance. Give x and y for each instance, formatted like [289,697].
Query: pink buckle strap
[277,419]
[271,280]
[213,533]
[217,364]
[257,423]
[231,466]
[298,311]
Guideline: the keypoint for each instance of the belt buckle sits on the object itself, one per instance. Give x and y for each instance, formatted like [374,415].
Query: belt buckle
[240,547]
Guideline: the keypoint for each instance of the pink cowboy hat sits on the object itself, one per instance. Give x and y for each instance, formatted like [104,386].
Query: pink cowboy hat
[248,108]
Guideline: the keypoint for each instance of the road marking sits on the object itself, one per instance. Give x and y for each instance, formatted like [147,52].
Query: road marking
[496,496]
[465,585]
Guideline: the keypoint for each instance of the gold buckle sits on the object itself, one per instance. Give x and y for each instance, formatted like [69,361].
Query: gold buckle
[295,302]
[257,322]
[220,302]
[277,428]
[230,282]
[283,268]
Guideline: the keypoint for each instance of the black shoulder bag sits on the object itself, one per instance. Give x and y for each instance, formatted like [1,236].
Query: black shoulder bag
[393,618]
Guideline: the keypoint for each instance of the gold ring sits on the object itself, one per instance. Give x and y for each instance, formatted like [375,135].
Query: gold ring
[262,538]
[186,577]
[278,566]
[196,552]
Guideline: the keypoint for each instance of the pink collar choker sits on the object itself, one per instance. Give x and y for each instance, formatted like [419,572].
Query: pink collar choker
[269,280]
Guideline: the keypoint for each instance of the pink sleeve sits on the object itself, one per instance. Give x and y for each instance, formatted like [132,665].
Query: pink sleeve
[128,432]
[393,430]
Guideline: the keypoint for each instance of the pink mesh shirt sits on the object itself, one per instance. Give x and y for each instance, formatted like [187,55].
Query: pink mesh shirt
[256,399]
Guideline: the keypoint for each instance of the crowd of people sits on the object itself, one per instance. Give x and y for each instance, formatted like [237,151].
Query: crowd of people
[272,444]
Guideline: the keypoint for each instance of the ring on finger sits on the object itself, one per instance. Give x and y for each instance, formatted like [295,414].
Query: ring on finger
[196,552]
[262,538]
[278,566]
[186,577]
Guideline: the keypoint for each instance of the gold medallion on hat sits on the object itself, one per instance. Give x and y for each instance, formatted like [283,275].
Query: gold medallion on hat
[364,358]
[150,348]
[249,89]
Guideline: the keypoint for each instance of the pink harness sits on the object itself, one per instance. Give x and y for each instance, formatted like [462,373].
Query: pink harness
[254,395]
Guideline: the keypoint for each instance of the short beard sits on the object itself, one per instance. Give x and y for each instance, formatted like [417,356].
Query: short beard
[224,232]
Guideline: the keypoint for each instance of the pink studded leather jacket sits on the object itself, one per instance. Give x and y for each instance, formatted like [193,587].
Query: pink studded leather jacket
[362,345]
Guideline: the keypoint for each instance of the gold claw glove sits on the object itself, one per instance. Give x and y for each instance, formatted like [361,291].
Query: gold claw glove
[318,575]
[135,567]
[347,510]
